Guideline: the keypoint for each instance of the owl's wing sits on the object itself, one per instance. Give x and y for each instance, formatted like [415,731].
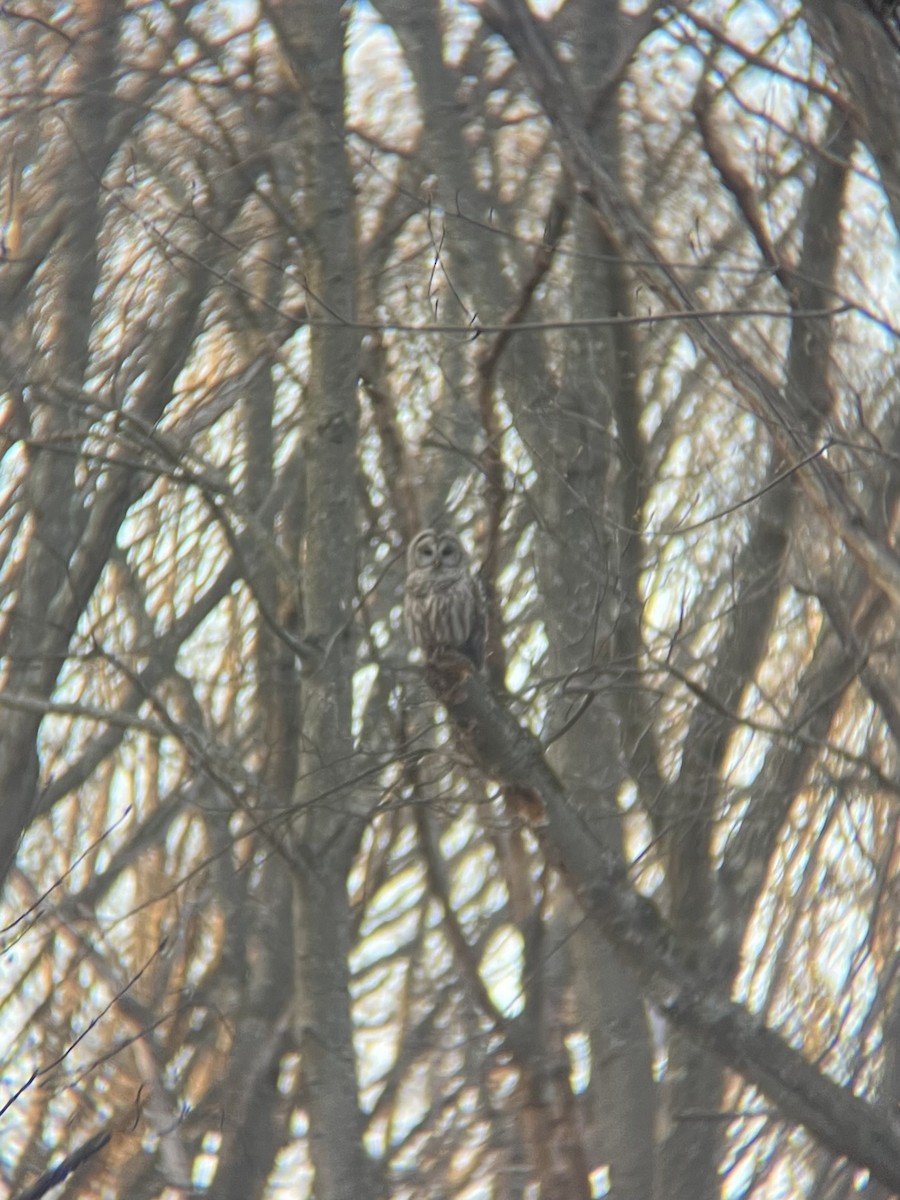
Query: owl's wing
[475,642]
[413,601]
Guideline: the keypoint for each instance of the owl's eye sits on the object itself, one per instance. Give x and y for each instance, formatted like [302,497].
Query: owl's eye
[448,550]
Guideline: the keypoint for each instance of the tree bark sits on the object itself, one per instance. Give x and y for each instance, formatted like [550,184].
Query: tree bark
[327,826]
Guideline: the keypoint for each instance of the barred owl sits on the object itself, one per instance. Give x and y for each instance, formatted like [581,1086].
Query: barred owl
[444,604]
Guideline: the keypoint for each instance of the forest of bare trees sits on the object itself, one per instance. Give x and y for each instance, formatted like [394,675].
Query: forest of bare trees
[614,294]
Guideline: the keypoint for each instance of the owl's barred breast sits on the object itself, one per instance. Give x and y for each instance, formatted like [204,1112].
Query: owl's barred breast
[449,612]
[439,613]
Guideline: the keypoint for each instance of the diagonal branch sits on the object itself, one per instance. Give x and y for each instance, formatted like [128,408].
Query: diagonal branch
[678,985]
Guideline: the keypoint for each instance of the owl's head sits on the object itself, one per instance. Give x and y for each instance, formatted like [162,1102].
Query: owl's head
[430,550]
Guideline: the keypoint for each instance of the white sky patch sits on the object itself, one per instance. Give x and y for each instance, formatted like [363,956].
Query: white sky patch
[501,970]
